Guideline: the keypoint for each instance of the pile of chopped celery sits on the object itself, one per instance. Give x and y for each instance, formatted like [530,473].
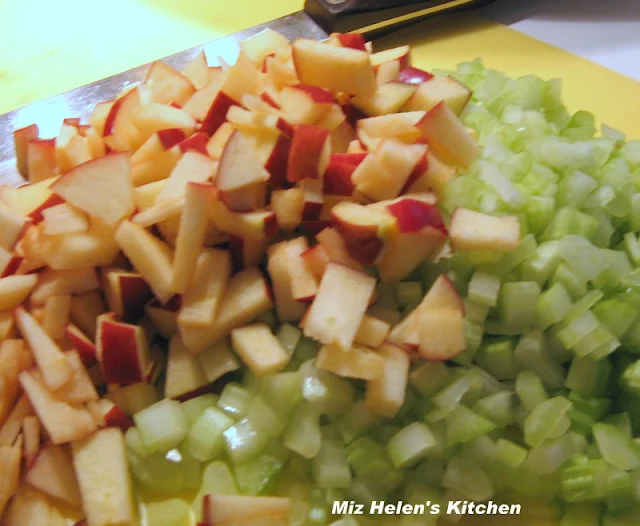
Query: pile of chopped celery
[542,410]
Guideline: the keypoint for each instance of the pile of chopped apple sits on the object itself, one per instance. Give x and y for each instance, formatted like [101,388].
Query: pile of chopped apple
[185,210]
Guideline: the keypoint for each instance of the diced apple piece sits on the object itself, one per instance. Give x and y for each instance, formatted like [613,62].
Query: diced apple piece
[435,176]
[55,368]
[438,89]
[62,421]
[101,187]
[342,69]
[304,104]
[160,213]
[256,225]
[119,130]
[101,466]
[80,388]
[56,315]
[192,167]
[263,44]
[230,510]
[122,351]
[215,116]
[64,219]
[197,71]
[133,398]
[388,71]
[157,167]
[259,349]
[412,75]
[355,362]
[400,53]
[41,160]
[156,144]
[472,230]
[12,225]
[446,134]
[15,289]
[27,507]
[288,204]
[304,285]
[150,256]
[126,293]
[10,457]
[388,98]
[153,117]
[21,139]
[309,153]
[218,360]
[313,199]
[372,332]
[386,394]
[217,142]
[287,307]
[53,474]
[336,249]
[440,333]
[184,373]
[337,176]
[82,344]
[203,298]
[59,282]
[239,166]
[339,306]
[401,126]
[30,439]
[316,259]
[86,306]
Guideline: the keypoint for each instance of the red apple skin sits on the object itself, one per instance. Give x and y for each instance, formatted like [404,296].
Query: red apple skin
[112,115]
[418,170]
[197,142]
[12,266]
[311,211]
[317,94]
[136,293]
[120,364]
[337,176]
[36,214]
[413,215]
[285,127]
[306,149]
[173,305]
[81,343]
[316,226]
[411,75]
[205,389]
[116,418]
[269,100]
[278,162]
[352,113]
[170,137]
[217,113]
[352,40]
[71,121]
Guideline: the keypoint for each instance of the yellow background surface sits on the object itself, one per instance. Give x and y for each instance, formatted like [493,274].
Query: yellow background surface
[49,47]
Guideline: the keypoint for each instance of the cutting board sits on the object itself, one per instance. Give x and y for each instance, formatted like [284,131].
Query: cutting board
[50,47]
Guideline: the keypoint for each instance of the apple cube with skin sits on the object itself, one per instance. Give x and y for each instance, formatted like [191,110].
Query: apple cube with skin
[388,98]
[472,230]
[388,71]
[102,469]
[355,362]
[63,422]
[12,226]
[386,394]
[288,204]
[304,284]
[122,351]
[64,219]
[150,257]
[41,160]
[229,510]
[372,332]
[193,167]
[337,176]
[52,473]
[363,229]
[256,225]
[86,306]
[446,134]
[342,69]
[265,43]
[183,374]
[153,117]
[158,143]
[101,187]
[80,388]
[304,104]
[435,176]
[401,53]
[400,126]
[309,152]
[455,95]
[218,360]
[126,293]
[412,75]
[15,289]
[239,165]
[316,259]
[119,130]
[58,282]
[336,249]
[287,307]
[259,349]
[82,344]
[339,305]
[157,167]
[164,317]
[440,334]
[21,139]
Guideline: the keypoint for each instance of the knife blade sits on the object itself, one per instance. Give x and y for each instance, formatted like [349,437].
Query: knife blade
[316,21]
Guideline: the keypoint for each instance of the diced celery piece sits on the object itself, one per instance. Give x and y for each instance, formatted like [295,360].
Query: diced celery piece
[307,349]
[468,479]
[578,329]
[496,357]
[547,420]
[429,378]
[411,444]
[583,514]
[631,152]
[569,221]
[575,286]
[556,349]
[622,421]
[195,407]
[540,267]
[616,315]
[264,417]
[540,210]
[530,390]
[616,448]
[531,354]
[283,390]
[551,454]
[584,481]
[408,294]
[504,461]
[635,212]
[165,473]
[134,442]
[497,407]
[234,401]
[475,312]
[574,188]
[243,441]
[258,475]
[357,421]
[327,392]
[518,303]
[618,270]
[162,425]
[620,492]
[484,289]
[631,377]
[552,306]
[369,461]
[588,377]
[217,479]
[303,435]
[585,260]
[330,467]
[205,438]
[583,305]
[632,246]
[463,425]
[289,335]
[172,512]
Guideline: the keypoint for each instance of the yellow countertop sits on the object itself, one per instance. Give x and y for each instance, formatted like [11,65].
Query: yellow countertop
[50,47]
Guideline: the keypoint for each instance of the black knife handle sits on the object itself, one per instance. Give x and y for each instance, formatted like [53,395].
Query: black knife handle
[343,16]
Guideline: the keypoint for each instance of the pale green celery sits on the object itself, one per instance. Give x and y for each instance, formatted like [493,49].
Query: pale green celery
[540,210]
[165,473]
[264,417]
[172,512]
[162,425]
[475,312]
[547,420]
[477,450]
[551,454]
[600,198]
[553,306]
[517,303]
[580,127]
[583,514]
[620,495]
[411,444]
[505,460]
[622,421]
[357,421]
[574,189]
[569,221]
[616,447]
[635,212]
[585,260]
[585,481]
[303,435]
[588,377]
[496,357]
[234,401]
[631,152]
[243,441]
[617,270]
[604,231]
[451,396]
[134,443]
[195,407]
[556,349]
[283,391]
[497,407]
[289,335]
[575,286]
[618,316]
[531,354]
[598,344]
[429,378]
[541,266]
[370,461]
[408,294]
[631,377]
[328,393]
[258,475]
[330,466]
[582,305]
[463,425]
[632,246]
[217,479]
[484,289]
[578,329]
[205,438]
[468,479]
[530,390]
[491,174]
[473,333]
